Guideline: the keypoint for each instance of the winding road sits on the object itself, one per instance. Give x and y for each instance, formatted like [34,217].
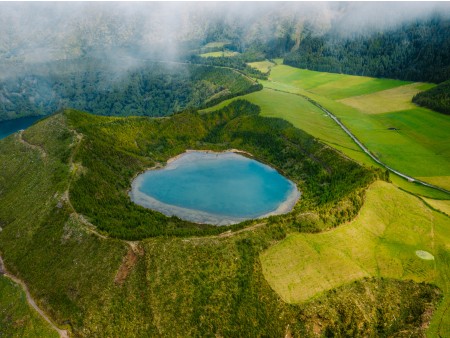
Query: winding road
[361,145]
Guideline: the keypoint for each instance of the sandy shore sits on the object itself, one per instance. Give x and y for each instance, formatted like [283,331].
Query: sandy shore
[198,216]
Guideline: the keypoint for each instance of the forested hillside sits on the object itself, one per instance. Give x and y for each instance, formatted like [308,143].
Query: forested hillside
[139,88]
[418,51]
[97,286]
[437,98]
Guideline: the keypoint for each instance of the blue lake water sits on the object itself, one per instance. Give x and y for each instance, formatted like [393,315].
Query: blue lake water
[11,126]
[215,188]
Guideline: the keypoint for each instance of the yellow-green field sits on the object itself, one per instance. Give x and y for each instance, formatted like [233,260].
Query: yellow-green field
[441,181]
[441,205]
[225,53]
[385,101]
[381,242]
[262,66]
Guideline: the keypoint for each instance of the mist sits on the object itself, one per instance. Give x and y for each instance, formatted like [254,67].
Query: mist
[41,32]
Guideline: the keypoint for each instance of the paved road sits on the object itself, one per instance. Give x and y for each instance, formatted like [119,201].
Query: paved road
[349,133]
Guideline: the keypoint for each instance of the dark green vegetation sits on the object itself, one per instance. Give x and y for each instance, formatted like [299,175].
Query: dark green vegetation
[95,286]
[17,319]
[114,150]
[132,87]
[417,51]
[437,98]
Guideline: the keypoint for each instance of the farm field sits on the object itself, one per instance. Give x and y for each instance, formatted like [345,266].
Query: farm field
[382,241]
[262,66]
[379,113]
[225,53]
[441,205]
[395,99]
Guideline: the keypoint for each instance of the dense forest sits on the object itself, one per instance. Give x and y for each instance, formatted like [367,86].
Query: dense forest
[437,98]
[129,88]
[417,51]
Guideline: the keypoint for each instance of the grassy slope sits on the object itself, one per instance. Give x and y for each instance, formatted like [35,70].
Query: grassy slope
[71,272]
[441,205]
[17,318]
[219,54]
[262,66]
[395,99]
[392,225]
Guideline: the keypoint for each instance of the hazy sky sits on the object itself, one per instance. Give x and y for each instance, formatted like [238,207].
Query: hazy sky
[47,30]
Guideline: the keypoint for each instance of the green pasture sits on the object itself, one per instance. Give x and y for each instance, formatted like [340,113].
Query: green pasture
[225,53]
[382,241]
[17,318]
[331,85]
[419,145]
[441,205]
[389,100]
[262,66]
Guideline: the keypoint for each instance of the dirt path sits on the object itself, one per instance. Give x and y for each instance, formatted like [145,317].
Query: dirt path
[33,146]
[30,300]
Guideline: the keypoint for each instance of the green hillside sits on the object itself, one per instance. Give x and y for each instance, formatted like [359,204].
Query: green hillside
[92,284]
[126,87]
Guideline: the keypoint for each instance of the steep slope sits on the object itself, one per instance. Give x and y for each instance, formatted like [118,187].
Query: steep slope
[92,284]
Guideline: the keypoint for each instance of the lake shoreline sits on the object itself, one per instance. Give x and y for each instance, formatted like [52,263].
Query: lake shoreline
[199,216]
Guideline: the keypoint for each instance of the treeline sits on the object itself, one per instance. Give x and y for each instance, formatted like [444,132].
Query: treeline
[418,51]
[115,150]
[437,98]
[144,88]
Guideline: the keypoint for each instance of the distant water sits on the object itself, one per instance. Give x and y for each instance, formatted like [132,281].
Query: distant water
[215,188]
[11,126]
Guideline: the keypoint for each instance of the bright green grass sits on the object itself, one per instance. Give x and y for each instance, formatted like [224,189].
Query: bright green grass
[225,53]
[389,100]
[17,318]
[381,242]
[422,139]
[334,86]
